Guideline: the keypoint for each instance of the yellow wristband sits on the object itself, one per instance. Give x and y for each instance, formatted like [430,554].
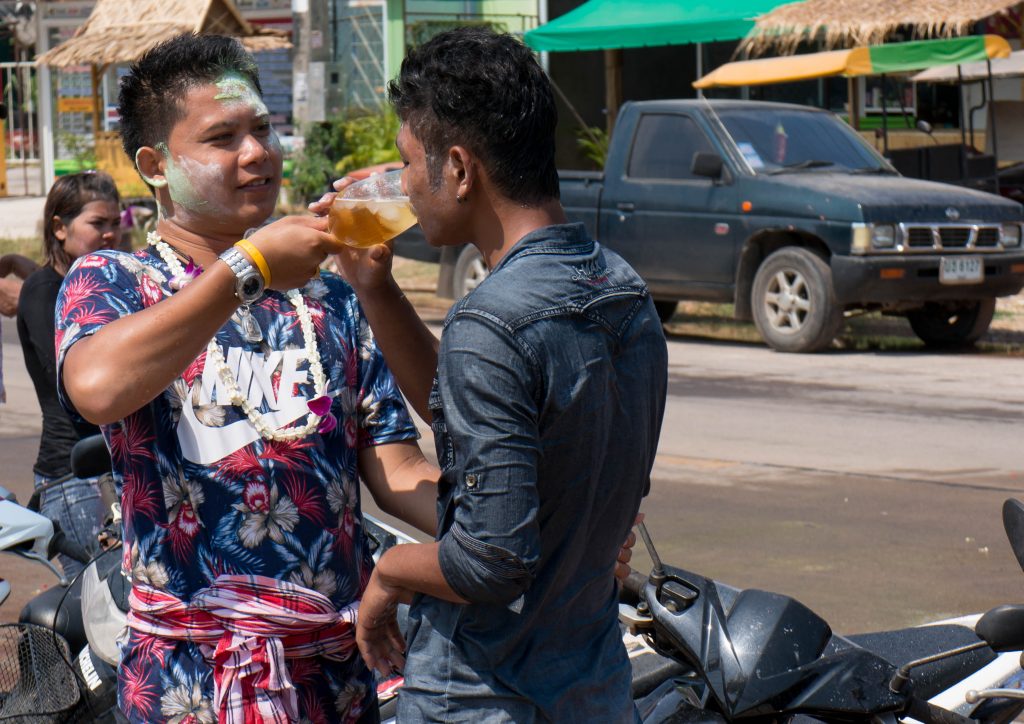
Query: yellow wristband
[257,258]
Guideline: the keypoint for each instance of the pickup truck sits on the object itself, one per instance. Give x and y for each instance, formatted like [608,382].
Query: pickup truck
[787,213]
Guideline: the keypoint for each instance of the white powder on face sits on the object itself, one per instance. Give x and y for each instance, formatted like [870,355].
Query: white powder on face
[192,183]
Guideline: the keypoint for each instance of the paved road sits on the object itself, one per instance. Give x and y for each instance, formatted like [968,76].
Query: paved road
[866,484]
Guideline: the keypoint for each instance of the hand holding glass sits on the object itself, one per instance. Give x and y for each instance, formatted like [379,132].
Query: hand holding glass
[371,211]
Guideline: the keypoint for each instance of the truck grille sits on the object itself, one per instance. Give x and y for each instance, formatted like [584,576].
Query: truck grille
[987,237]
[920,237]
[954,237]
[936,237]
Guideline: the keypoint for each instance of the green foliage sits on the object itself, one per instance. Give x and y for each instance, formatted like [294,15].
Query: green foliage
[80,148]
[335,147]
[369,140]
[314,167]
[593,142]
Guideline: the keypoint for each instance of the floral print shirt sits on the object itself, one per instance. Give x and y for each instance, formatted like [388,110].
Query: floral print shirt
[202,494]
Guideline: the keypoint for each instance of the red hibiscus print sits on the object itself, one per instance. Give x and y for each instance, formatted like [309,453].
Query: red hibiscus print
[257,497]
[151,292]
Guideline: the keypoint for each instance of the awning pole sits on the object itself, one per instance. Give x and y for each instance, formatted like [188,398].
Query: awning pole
[612,85]
[960,105]
[990,127]
[885,120]
[963,129]
[700,67]
[853,96]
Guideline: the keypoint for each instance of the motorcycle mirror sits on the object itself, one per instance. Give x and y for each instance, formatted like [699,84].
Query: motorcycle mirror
[1013,524]
[6,494]
[924,127]
[90,457]
[1002,628]
[658,572]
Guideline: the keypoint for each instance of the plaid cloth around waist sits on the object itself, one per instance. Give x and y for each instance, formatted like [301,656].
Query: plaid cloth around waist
[246,626]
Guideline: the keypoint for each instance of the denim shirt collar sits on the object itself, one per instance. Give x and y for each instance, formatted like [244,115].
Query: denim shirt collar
[555,239]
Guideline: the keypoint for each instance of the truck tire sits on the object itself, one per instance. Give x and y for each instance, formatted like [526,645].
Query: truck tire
[954,324]
[469,271]
[666,310]
[793,301]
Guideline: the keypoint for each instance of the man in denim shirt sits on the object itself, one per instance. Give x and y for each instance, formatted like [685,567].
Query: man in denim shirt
[546,409]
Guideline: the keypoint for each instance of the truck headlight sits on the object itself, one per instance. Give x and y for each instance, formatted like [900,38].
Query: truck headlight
[883,236]
[1009,234]
[866,237]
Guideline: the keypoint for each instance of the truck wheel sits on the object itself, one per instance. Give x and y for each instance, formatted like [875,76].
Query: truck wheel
[666,310]
[793,302]
[469,271]
[952,325]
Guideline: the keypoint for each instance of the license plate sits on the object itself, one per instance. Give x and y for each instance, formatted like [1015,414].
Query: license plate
[961,270]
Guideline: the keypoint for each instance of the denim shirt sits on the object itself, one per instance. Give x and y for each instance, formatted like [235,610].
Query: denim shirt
[547,407]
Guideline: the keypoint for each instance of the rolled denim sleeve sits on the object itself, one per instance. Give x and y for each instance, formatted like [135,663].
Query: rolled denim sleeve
[488,383]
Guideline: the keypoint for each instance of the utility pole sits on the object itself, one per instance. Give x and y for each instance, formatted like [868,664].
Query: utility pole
[312,51]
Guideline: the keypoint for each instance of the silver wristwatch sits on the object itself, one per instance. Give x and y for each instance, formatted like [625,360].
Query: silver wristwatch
[249,283]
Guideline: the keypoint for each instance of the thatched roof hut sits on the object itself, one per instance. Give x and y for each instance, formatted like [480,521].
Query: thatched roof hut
[120,31]
[845,23]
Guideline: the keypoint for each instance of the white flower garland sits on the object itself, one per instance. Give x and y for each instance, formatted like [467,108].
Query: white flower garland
[215,356]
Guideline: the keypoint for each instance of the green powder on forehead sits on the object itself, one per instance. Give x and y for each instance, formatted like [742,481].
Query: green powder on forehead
[236,88]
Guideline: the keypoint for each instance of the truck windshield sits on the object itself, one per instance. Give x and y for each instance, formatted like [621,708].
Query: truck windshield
[793,141]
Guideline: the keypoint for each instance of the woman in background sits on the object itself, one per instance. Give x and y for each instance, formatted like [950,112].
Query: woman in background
[81,215]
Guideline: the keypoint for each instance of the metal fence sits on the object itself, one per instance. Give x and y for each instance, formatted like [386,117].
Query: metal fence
[21,138]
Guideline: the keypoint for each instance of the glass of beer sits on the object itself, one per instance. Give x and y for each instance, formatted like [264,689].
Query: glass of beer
[371,211]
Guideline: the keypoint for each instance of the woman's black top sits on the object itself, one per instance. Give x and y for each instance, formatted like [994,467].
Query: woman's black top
[36,331]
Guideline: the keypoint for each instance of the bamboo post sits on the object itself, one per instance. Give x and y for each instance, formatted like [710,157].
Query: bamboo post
[612,85]
[853,94]
[96,102]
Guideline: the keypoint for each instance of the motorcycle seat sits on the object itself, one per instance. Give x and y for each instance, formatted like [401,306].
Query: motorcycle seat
[905,645]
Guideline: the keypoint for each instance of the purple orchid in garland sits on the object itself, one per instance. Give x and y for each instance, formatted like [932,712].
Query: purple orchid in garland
[321,407]
[191,271]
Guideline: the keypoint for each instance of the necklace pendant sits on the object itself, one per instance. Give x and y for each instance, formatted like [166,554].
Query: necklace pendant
[250,328]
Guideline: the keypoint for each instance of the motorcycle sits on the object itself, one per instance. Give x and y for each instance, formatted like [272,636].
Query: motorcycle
[48,671]
[715,653]
[42,678]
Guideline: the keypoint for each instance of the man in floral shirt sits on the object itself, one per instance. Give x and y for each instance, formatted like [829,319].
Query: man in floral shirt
[243,399]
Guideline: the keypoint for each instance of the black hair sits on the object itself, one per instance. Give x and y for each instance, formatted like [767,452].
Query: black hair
[483,90]
[68,196]
[150,101]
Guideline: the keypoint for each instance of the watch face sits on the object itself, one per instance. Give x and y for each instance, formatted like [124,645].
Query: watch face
[251,287]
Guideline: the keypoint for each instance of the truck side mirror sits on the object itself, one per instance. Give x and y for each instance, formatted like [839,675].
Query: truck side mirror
[708,165]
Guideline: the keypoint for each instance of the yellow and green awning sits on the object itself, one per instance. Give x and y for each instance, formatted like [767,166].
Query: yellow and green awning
[891,58]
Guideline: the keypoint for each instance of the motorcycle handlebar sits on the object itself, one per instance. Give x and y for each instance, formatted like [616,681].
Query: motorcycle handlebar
[634,584]
[60,543]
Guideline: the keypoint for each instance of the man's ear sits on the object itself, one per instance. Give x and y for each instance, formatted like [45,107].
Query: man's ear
[462,169]
[151,164]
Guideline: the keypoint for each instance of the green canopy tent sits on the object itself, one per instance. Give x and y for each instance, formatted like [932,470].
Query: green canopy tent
[611,25]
